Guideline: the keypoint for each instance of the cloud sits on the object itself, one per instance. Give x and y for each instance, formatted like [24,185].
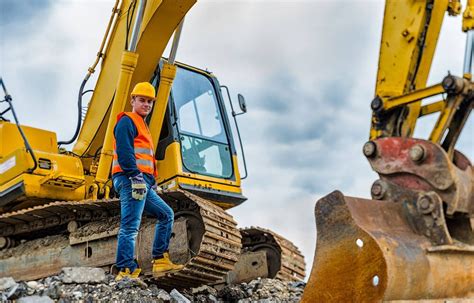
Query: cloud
[20,14]
[46,50]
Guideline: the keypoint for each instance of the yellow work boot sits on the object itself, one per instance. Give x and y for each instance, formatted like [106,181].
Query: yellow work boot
[126,273]
[164,265]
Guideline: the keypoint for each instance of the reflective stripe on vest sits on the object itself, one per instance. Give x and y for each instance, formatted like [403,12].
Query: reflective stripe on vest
[143,147]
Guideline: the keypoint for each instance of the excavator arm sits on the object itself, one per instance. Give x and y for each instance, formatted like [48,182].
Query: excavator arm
[409,37]
[159,21]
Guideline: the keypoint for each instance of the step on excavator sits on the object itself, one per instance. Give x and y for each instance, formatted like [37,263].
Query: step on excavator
[414,240]
[58,208]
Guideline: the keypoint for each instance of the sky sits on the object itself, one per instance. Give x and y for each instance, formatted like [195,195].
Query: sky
[306,68]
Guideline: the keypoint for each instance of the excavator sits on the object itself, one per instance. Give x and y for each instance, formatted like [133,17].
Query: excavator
[58,207]
[414,240]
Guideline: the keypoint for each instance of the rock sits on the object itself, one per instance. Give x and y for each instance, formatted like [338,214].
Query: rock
[135,290]
[231,293]
[199,289]
[8,287]
[212,299]
[53,292]
[12,290]
[20,291]
[48,280]
[7,283]
[34,285]
[35,299]
[205,290]
[30,291]
[83,275]
[180,298]
[262,293]
[299,284]
[130,283]
[105,288]
[160,294]
[77,295]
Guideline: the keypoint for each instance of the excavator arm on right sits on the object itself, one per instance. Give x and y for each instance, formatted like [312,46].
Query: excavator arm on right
[415,239]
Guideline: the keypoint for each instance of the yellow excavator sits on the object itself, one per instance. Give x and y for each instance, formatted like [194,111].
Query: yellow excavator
[415,239]
[58,208]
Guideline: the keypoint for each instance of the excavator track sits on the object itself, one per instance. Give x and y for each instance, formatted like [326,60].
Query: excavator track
[53,215]
[284,260]
[218,237]
[212,248]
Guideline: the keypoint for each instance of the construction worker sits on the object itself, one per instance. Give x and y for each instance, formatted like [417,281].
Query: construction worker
[134,172]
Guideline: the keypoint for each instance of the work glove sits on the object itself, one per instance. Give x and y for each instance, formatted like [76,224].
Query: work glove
[156,188]
[138,187]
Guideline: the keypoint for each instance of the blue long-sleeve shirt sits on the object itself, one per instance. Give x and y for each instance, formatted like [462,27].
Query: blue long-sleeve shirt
[125,132]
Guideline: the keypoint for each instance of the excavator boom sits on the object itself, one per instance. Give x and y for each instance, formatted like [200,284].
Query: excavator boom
[159,21]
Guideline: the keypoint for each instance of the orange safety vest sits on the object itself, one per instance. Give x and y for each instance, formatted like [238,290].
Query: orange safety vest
[143,145]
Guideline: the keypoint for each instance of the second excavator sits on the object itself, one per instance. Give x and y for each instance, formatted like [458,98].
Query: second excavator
[58,208]
[415,239]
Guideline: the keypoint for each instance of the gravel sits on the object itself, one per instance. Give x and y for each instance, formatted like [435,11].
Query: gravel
[82,284]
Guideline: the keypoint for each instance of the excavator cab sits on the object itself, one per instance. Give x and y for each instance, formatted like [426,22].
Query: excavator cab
[196,150]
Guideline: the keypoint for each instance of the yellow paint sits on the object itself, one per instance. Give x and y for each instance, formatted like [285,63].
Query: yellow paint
[39,139]
[468,16]
[167,75]
[403,65]
[34,189]
[445,118]
[432,108]
[415,96]
[128,64]
[64,169]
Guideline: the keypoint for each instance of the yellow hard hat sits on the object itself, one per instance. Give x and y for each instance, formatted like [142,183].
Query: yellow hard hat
[144,89]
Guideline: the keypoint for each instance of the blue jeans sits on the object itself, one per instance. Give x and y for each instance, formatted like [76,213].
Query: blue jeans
[131,214]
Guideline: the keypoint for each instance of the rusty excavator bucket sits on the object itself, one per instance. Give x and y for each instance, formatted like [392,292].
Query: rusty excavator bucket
[366,251]
[414,241]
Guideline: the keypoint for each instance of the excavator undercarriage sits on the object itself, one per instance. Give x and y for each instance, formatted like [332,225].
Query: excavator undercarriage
[83,233]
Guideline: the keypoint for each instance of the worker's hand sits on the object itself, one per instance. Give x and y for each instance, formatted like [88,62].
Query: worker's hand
[138,187]
[156,188]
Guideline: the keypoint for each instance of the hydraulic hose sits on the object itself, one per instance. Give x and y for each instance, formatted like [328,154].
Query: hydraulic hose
[8,99]
[79,113]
